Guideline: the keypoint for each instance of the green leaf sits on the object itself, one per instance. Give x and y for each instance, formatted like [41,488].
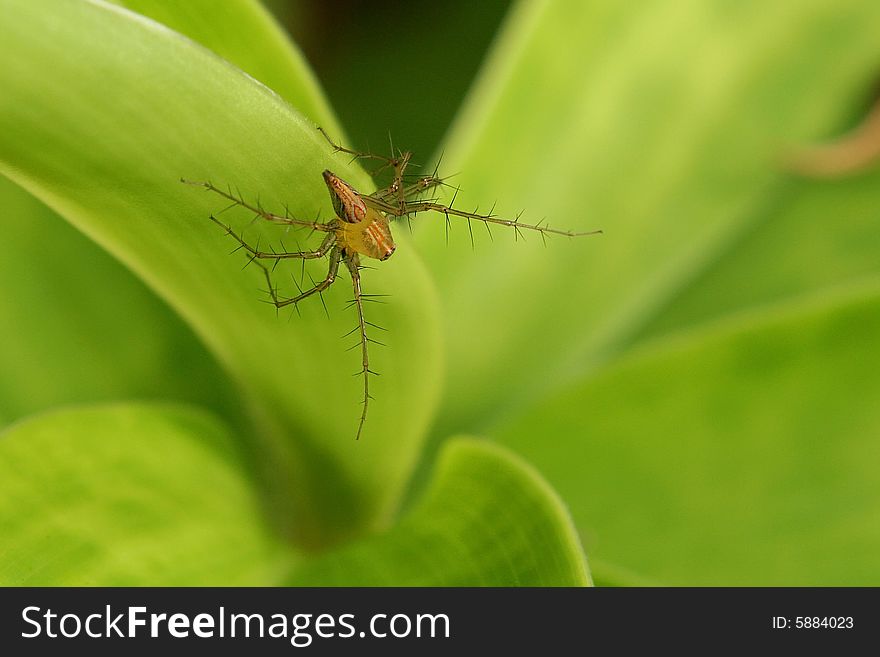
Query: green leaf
[812,237]
[129,495]
[744,453]
[487,519]
[109,162]
[75,326]
[244,33]
[663,124]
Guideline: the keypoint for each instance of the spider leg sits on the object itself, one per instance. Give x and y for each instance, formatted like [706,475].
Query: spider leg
[353,263]
[268,216]
[281,302]
[255,252]
[389,161]
[410,190]
[396,162]
[415,207]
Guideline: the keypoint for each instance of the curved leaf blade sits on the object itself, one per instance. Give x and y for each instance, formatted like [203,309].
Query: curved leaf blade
[76,326]
[129,495]
[244,33]
[811,238]
[742,454]
[486,519]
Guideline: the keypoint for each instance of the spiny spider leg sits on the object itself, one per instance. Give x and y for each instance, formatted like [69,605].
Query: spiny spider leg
[320,252]
[281,302]
[268,216]
[410,190]
[389,161]
[352,261]
[414,207]
[398,163]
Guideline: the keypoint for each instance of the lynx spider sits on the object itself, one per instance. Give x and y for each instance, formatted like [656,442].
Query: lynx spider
[361,228]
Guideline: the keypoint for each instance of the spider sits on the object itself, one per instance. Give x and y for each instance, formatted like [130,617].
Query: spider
[361,228]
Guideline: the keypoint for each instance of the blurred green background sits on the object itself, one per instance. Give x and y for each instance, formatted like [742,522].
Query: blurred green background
[699,384]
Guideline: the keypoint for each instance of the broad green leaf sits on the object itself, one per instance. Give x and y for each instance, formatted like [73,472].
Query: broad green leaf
[661,123]
[486,519]
[244,33]
[812,235]
[75,326]
[744,453]
[109,162]
[129,495]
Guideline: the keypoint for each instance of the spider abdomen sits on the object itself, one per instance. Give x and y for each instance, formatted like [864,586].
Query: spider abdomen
[370,237]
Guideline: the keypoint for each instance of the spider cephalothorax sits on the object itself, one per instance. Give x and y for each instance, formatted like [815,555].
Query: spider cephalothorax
[361,227]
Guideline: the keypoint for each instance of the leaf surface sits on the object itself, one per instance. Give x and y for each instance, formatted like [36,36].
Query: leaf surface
[130,495]
[740,454]
[486,519]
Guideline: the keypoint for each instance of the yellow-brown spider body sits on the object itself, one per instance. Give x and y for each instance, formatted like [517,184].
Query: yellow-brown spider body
[362,229]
